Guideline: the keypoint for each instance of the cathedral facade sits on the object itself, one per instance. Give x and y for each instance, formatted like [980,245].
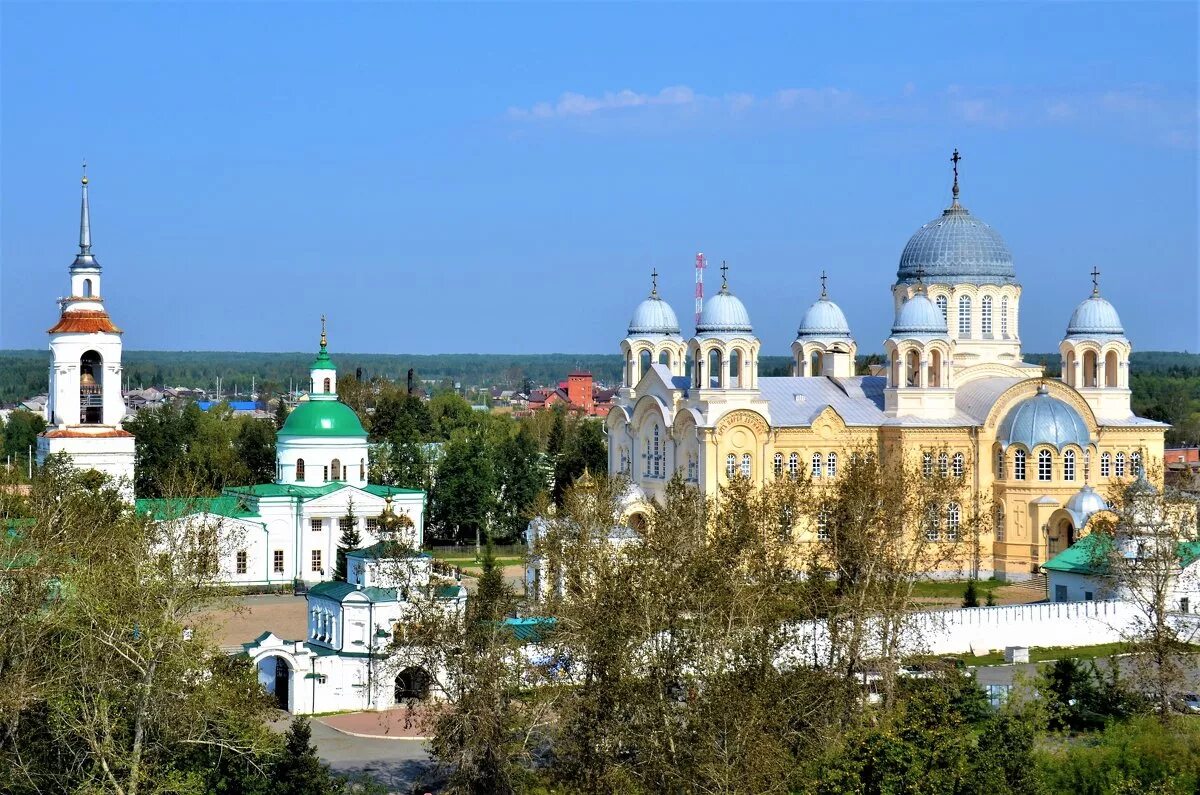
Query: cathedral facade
[954,395]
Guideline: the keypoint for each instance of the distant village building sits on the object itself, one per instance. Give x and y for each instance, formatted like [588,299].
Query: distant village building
[577,393]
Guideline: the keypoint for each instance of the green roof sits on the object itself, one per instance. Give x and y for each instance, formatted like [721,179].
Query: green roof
[228,505]
[312,492]
[388,491]
[1087,555]
[447,592]
[322,418]
[322,362]
[530,630]
[338,591]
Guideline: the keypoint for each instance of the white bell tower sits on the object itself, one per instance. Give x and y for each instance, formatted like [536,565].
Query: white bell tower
[85,406]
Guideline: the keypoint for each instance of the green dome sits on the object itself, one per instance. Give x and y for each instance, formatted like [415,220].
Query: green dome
[322,362]
[322,418]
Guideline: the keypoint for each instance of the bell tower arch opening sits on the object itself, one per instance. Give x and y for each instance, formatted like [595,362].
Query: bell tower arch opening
[91,388]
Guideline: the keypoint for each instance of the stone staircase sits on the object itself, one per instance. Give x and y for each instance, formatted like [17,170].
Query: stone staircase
[1031,590]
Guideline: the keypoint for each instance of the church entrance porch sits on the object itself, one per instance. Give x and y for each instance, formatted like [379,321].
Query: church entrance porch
[412,684]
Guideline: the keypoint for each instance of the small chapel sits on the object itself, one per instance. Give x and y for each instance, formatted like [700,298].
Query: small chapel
[954,395]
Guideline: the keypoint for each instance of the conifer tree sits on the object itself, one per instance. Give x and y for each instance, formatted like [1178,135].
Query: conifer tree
[299,771]
[350,540]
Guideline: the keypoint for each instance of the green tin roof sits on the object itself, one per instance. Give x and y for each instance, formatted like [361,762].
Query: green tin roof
[322,362]
[228,505]
[322,418]
[386,549]
[312,492]
[338,591]
[388,491]
[1087,555]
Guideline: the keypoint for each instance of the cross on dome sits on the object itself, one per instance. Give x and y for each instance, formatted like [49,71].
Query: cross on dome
[324,341]
[824,293]
[1095,280]
[724,275]
[954,158]
[654,281]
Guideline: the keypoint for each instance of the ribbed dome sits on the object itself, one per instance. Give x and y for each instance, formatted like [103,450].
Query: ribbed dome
[824,319]
[1094,315]
[1043,419]
[956,248]
[322,418]
[919,315]
[723,313]
[1084,504]
[654,316]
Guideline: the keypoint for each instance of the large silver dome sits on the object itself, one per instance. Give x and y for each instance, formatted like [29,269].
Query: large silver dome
[956,248]
[653,316]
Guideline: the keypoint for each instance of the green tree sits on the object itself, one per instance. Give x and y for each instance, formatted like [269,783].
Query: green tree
[971,595]
[400,418]
[449,412]
[299,771]
[255,446]
[521,479]
[584,451]
[20,436]
[463,498]
[349,540]
[281,412]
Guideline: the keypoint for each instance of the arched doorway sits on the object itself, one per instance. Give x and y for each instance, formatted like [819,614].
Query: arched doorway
[412,684]
[637,522]
[275,676]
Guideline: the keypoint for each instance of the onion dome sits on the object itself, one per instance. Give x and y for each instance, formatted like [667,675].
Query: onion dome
[1043,419]
[724,313]
[1095,315]
[325,418]
[824,319]
[957,248]
[919,315]
[653,315]
[1084,504]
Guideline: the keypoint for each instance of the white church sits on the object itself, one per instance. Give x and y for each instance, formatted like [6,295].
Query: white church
[287,531]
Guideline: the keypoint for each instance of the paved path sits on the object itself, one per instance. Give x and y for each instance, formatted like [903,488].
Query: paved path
[403,766]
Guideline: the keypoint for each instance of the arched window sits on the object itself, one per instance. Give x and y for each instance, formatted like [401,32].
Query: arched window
[745,465]
[985,316]
[958,465]
[823,524]
[730,465]
[335,469]
[657,453]
[1105,464]
[831,465]
[1044,465]
[714,368]
[964,317]
[953,520]
[1087,465]
[933,523]
[1110,369]
[87,288]
[1069,465]
[942,307]
[778,464]
[1090,368]
[1019,465]
[816,465]
[912,368]
[735,368]
[693,468]
[665,358]
[927,465]
[794,466]
[300,469]
[327,390]
[943,464]
[935,368]
[1004,317]
[1135,463]
[1120,465]
[643,364]
[629,370]
[1000,463]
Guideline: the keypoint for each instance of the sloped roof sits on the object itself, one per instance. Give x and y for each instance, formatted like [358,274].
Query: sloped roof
[1087,555]
[227,505]
[386,549]
[339,591]
[796,401]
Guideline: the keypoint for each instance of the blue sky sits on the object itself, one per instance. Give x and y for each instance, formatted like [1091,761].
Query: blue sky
[502,178]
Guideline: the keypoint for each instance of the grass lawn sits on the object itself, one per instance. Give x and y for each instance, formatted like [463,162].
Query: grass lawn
[955,588]
[1047,653]
[466,559]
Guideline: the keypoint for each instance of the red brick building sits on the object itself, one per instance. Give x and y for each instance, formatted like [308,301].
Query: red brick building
[577,393]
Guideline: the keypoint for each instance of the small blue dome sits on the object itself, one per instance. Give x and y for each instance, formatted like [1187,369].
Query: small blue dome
[956,248]
[1086,503]
[1094,315]
[654,316]
[919,315]
[1043,419]
[724,313]
[824,319]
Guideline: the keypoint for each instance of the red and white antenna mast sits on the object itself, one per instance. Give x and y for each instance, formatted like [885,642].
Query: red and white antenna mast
[700,263]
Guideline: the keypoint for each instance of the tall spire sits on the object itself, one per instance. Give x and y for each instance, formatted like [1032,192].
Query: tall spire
[85,218]
[84,258]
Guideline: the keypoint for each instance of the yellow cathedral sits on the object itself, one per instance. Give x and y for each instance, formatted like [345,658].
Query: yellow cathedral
[954,394]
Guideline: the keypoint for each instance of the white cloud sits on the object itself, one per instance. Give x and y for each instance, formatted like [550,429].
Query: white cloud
[571,104]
